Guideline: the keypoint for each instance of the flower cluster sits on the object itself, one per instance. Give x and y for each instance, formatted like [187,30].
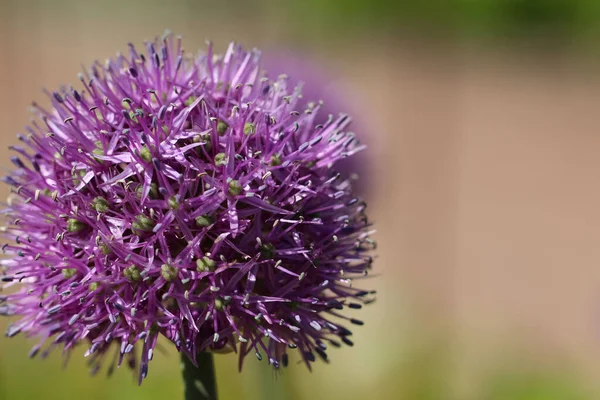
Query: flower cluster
[183,196]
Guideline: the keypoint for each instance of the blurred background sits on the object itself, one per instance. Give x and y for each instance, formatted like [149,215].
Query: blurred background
[482,176]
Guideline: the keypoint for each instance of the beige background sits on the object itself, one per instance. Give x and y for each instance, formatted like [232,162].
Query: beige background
[485,185]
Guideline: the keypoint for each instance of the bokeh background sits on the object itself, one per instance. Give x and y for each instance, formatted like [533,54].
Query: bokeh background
[483,177]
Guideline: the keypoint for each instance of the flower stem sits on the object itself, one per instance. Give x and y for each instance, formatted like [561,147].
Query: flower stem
[199,382]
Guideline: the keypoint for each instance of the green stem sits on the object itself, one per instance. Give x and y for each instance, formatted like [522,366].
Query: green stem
[199,382]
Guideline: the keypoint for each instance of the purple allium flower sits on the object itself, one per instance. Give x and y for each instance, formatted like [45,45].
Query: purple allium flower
[186,197]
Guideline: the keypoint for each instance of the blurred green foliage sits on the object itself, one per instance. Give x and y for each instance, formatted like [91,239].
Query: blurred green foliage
[535,385]
[423,372]
[467,18]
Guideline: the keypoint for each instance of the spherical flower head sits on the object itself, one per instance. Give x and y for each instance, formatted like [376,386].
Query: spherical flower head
[185,197]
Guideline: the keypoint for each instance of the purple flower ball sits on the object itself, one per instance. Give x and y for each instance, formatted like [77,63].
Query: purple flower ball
[189,197]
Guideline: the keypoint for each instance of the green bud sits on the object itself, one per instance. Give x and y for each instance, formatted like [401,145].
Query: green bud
[75,225]
[219,304]
[76,175]
[221,127]
[153,193]
[99,150]
[235,188]
[142,224]
[100,204]
[249,128]
[69,272]
[188,102]
[310,164]
[220,159]
[275,160]
[168,272]
[94,286]
[133,116]
[205,140]
[105,249]
[204,220]
[205,264]
[132,273]
[173,203]
[145,154]
[267,250]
